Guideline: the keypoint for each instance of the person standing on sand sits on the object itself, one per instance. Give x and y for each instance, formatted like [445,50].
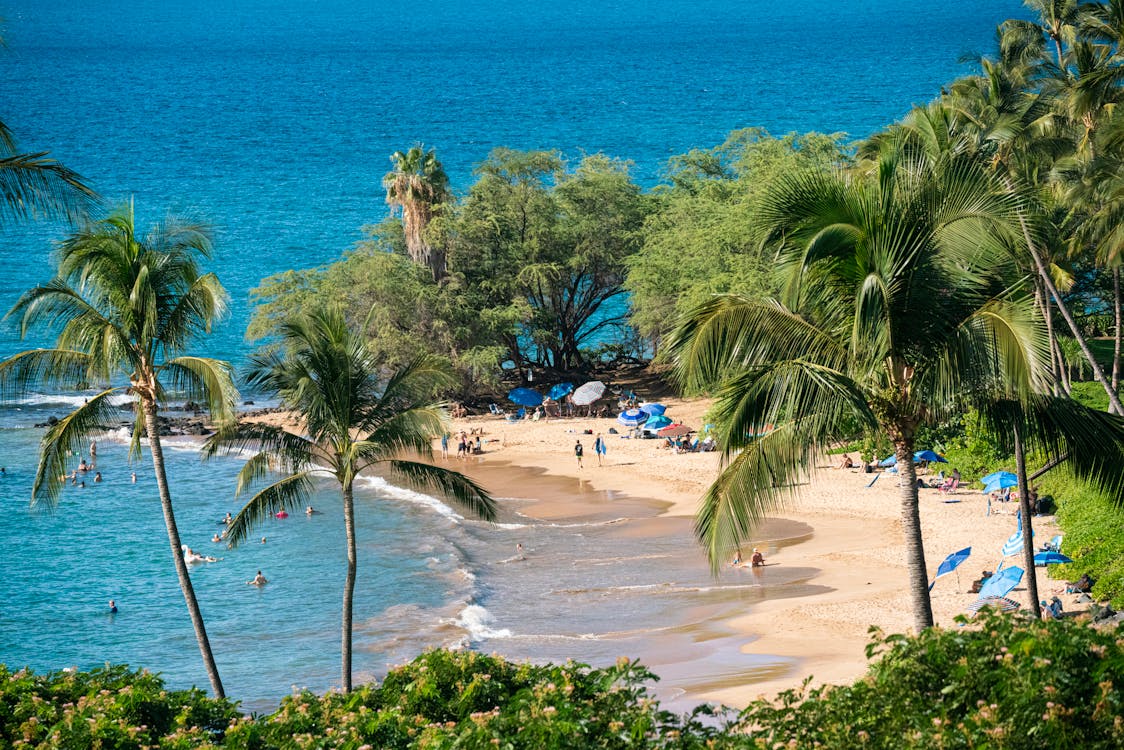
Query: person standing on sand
[444,445]
[578,450]
[599,448]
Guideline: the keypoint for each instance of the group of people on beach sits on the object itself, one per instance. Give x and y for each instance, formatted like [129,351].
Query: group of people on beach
[599,448]
[756,560]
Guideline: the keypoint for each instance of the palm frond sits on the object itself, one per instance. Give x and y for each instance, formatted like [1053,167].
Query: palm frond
[43,367]
[291,452]
[68,438]
[286,494]
[452,484]
[33,186]
[204,379]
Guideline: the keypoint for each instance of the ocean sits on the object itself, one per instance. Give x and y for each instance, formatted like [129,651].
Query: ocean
[274,121]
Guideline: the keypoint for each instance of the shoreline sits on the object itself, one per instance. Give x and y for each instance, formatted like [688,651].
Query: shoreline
[840,577]
[853,553]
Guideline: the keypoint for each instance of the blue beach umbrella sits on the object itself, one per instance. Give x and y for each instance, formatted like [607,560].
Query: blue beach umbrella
[929,456]
[560,390]
[999,484]
[632,417]
[525,397]
[1002,582]
[889,461]
[951,563]
[1050,557]
[656,410]
[1000,476]
[657,422]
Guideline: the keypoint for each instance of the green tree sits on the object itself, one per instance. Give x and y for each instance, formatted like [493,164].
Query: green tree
[35,186]
[419,187]
[894,299]
[126,306]
[356,416]
[549,247]
[699,238]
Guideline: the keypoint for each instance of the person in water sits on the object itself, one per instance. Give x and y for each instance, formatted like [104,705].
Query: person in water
[310,511]
[758,559]
[216,538]
[97,476]
[112,607]
[259,580]
[134,477]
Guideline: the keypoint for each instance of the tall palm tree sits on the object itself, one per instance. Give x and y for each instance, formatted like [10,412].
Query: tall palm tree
[419,187]
[126,306]
[895,300]
[356,417]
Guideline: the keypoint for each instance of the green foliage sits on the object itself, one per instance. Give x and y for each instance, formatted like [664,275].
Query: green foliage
[109,707]
[1007,682]
[1003,681]
[1090,394]
[1094,536]
[700,240]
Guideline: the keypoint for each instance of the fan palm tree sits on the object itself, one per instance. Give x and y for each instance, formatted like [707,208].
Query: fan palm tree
[419,187]
[356,417]
[125,306]
[895,299]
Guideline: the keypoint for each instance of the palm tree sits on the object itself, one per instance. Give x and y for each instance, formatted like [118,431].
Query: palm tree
[894,300]
[126,306]
[356,417]
[419,187]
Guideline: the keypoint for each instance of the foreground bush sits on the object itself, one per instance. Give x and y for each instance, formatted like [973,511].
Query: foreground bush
[1010,683]
[1004,683]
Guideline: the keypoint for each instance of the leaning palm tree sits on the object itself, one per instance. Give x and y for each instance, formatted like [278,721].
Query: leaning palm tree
[419,187]
[356,417]
[125,306]
[895,298]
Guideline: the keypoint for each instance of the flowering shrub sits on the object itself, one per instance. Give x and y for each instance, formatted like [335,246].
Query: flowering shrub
[1004,682]
[1008,682]
[111,707]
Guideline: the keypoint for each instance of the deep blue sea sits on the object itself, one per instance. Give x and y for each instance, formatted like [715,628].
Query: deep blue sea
[274,121]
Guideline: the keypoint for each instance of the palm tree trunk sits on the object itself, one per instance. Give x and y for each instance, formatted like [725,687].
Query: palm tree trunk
[1114,401]
[1117,334]
[349,586]
[152,427]
[914,544]
[1028,525]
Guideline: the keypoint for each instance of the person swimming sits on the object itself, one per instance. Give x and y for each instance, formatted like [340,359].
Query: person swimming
[112,607]
[310,511]
[259,580]
[190,556]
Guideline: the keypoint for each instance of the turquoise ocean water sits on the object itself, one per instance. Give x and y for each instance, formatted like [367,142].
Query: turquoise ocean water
[274,121]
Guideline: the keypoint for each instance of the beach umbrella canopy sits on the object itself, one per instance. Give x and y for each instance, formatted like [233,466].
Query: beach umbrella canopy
[891,461]
[952,562]
[1050,557]
[997,474]
[632,417]
[588,393]
[1001,603]
[656,410]
[1000,480]
[929,456]
[657,422]
[525,397]
[560,390]
[1002,582]
[675,430]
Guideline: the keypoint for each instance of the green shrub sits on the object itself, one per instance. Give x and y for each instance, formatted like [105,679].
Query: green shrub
[1011,682]
[111,707]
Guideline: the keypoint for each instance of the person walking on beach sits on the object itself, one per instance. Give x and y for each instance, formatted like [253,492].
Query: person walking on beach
[578,450]
[444,445]
[599,448]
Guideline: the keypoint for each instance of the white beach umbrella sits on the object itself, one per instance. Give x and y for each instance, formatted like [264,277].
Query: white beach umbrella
[588,393]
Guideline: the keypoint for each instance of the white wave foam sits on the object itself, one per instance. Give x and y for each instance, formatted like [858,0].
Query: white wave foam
[386,489]
[478,622]
[64,399]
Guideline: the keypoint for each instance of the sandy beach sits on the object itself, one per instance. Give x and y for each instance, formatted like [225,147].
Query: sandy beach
[850,553]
